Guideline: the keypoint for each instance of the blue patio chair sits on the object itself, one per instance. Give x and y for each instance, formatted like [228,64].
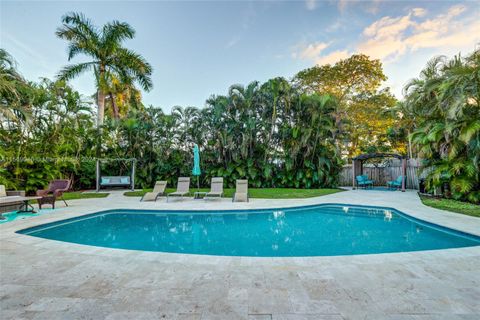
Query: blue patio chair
[363,181]
[397,183]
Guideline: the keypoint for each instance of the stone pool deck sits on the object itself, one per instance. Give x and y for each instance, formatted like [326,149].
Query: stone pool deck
[45,279]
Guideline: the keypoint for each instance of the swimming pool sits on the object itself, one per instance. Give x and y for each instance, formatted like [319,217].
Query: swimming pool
[320,230]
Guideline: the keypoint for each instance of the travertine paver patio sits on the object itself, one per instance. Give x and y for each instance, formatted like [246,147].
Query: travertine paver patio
[44,279]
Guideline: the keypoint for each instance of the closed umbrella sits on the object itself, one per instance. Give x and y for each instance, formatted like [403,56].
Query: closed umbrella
[196,165]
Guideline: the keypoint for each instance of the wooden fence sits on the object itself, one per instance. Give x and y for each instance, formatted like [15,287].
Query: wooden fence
[383,172]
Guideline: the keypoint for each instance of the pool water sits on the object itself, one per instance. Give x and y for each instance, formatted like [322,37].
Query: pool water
[322,230]
[13,216]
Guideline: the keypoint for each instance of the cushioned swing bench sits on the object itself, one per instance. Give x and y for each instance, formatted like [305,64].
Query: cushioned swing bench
[115,181]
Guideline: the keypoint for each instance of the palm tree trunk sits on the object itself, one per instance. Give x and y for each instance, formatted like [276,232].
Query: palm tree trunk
[100,115]
[101,107]
[114,106]
[272,129]
[409,144]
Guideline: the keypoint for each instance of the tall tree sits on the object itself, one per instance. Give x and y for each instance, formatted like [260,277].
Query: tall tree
[12,89]
[355,83]
[109,57]
[445,101]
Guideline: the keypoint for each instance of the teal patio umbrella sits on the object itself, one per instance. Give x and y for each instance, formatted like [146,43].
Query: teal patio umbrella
[196,165]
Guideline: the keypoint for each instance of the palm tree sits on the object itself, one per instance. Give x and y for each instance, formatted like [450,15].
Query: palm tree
[8,74]
[12,86]
[244,105]
[185,118]
[445,100]
[108,56]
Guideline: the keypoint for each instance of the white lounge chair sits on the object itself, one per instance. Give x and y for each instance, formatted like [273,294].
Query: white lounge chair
[216,188]
[241,192]
[10,200]
[183,188]
[158,190]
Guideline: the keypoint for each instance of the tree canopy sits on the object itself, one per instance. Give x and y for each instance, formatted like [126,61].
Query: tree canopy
[115,67]
[362,117]
[445,103]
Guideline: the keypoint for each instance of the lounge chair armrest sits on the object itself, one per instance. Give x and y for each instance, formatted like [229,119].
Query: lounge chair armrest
[16,193]
[42,193]
[59,192]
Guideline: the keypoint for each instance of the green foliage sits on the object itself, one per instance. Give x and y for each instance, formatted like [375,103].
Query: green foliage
[13,97]
[270,134]
[236,138]
[364,112]
[50,143]
[115,67]
[445,103]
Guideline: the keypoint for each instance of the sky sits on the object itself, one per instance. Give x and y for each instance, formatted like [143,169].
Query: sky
[200,48]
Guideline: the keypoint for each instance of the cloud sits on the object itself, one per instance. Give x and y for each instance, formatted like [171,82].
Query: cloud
[312,51]
[389,38]
[232,42]
[339,24]
[342,5]
[248,16]
[419,12]
[311,4]
[247,19]
[332,57]
[23,47]
[371,6]
[392,37]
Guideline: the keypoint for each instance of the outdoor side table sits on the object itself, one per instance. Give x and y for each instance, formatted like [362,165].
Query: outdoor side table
[26,207]
[199,195]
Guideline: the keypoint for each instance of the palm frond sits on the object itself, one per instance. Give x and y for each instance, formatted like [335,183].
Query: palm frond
[113,33]
[468,131]
[82,34]
[76,26]
[71,71]
[131,64]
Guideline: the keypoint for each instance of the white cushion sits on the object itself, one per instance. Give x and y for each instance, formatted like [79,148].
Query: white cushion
[10,199]
[3,192]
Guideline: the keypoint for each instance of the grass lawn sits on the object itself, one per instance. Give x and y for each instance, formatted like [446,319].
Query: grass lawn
[452,205]
[80,195]
[264,193]
[75,195]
